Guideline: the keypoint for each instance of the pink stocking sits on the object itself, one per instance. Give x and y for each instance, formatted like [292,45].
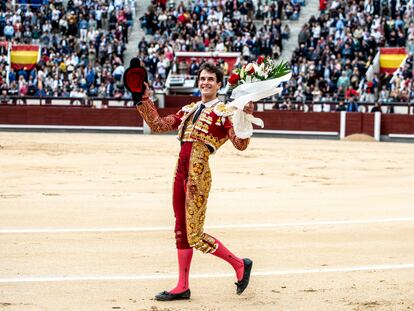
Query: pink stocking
[237,263]
[184,262]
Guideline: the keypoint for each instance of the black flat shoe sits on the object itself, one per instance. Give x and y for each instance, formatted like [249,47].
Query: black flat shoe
[166,296]
[242,284]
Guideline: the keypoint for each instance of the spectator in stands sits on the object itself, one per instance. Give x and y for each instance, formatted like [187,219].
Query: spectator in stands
[410,46]
[118,72]
[316,94]
[194,67]
[299,94]
[376,108]
[158,84]
[340,45]
[211,26]
[4,98]
[341,106]
[384,95]
[286,32]
[22,85]
[73,36]
[13,90]
[343,81]
[352,105]
[368,92]
[8,31]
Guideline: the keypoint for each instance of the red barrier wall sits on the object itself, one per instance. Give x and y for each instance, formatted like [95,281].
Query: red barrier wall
[300,121]
[273,119]
[46,115]
[49,115]
[357,122]
[397,124]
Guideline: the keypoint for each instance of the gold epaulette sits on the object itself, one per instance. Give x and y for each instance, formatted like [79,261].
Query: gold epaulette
[189,107]
[222,110]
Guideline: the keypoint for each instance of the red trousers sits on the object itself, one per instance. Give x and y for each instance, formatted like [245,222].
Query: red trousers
[179,194]
[192,185]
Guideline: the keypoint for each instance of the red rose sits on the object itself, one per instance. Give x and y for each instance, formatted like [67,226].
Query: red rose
[251,71]
[260,60]
[234,78]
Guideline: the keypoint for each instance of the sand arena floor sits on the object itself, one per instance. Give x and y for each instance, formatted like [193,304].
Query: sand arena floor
[85,224]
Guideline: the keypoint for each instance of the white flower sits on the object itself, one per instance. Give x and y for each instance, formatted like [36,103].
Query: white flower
[262,66]
[249,67]
[253,72]
[258,70]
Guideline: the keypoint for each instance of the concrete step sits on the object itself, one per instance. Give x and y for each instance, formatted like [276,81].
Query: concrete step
[136,33]
[311,8]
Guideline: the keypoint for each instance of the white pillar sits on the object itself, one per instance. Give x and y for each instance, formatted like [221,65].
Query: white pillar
[342,125]
[161,98]
[146,128]
[377,126]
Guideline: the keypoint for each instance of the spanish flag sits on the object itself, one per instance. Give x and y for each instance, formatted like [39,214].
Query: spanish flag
[24,56]
[391,59]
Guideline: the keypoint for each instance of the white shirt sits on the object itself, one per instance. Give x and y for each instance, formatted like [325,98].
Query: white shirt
[119,70]
[210,103]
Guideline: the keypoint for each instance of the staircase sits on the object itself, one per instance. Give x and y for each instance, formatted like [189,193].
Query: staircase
[136,33]
[311,8]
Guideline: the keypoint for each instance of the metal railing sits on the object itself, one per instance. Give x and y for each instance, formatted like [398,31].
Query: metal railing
[306,106]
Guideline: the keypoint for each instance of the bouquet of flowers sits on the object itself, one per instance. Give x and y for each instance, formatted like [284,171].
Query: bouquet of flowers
[261,70]
[257,80]
[253,82]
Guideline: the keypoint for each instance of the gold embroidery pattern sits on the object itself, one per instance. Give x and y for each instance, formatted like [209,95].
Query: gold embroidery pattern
[239,143]
[218,121]
[209,139]
[202,127]
[189,107]
[187,133]
[222,110]
[157,124]
[198,188]
[187,128]
[205,117]
[186,121]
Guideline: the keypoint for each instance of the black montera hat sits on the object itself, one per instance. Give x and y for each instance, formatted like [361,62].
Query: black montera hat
[134,78]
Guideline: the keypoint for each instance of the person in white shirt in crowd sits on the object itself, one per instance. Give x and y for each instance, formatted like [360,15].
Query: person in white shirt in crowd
[118,72]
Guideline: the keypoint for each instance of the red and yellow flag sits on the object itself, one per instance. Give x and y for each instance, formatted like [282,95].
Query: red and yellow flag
[24,56]
[391,59]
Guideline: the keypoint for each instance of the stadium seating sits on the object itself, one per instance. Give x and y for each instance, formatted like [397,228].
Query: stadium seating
[216,26]
[83,44]
[336,49]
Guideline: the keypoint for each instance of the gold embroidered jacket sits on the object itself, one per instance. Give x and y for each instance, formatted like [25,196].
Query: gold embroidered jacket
[213,127]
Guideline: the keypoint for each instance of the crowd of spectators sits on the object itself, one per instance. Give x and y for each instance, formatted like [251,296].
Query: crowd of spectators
[215,26]
[336,49]
[280,9]
[82,46]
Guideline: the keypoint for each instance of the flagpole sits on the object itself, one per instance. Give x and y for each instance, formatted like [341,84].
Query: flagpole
[39,54]
[8,63]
